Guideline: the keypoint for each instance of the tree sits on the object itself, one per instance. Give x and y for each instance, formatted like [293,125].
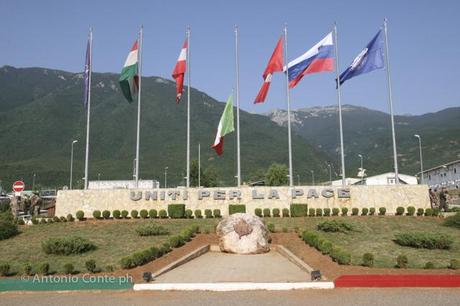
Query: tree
[258,175]
[277,175]
[194,173]
[209,177]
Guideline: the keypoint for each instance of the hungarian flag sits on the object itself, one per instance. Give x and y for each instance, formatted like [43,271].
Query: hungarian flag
[179,71]
[129,78]
[225,126]
[275,64]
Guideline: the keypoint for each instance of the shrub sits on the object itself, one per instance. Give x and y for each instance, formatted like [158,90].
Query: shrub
[7,228]
[176,241]
[311,212]
[43,220]
[285,212]
[124,214]
[198,214]
[176,211]
[153,213]
[429,265]
[354,211]
[144,214]
[216,213]
[410,210]
[56,218]
[109,268]
[340,256]
[80,215]
[271,227]
[236,208]
[371,211]
[97,214]
[69,218]
[368,260]
[116,214]
[258,212]
[335,211]
[327,212]
[402,261]
[364,212]
[310,238]
[5,269]
[382,211]
[188,213]
[335,226]
[436,211]
[163,214]
[285,229]
[325,247]
[27,268]
[426,240]
[453,221]
[276,212]
[151,230]
[134,214]
[208,213]
[90,265]
[69,268]
[454,264]
[44,268]
[266,212]
[420,212]
[298,210]
[106,214]
[319,212]
[67,245]
[428,212]
[344,211]
[63,219]
[35,220]
[399,211]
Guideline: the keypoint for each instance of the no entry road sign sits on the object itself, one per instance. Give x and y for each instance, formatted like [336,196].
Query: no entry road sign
[18,186]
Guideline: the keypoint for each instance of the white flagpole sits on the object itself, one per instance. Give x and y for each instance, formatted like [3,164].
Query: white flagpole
[139,106]
[89,104]
[288,106]
[199,165]
[339,98]
[237,67]
[188,106]
[390,100]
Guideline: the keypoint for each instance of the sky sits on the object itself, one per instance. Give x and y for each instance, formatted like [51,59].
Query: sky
[424,44]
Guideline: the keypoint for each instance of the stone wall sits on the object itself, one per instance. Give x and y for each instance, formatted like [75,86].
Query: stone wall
[390,197]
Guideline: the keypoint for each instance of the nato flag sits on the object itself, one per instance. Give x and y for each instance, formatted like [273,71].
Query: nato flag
[369,59]
[86,73]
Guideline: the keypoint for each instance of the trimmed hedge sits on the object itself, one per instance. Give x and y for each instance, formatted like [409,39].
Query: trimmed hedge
[236,208]
[163,214]
[208,213]
[382,211]
[285,212]
[364,212]
[327,212]
[153,213]
[428,212]
[97,214]
[426,240]
[319,212]
[420,212]
[311,212]
[326,247]
[134,214]
[335,226]
[151,230]
[399,211]
[371,211]
[176,211]
[354,211]
[216,213]
[144,214]
[276,212]
[335,211]
[116,214]
[344,211]
[188,214]
[453,221]
[258,212]
[197,214]
[266,212]
[410,211]
[106,214]
[298,210]
[124,214]
[67,245]
[80,215]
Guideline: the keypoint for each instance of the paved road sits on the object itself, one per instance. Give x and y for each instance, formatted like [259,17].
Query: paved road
[355,297]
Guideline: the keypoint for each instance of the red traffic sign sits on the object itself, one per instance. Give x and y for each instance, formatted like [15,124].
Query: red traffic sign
[18,186]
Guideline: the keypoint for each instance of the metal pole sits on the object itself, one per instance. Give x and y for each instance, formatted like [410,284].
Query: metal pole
[313,177]
[89,105]
[362,169]
[166,176]
[134,169]
[188,106]
[139,107]
[298,180]
[199,165]
[330,174]
[33,183]
[291,182]
[390,100]
[422,181]
[339,98]
[237,67]
[71,163]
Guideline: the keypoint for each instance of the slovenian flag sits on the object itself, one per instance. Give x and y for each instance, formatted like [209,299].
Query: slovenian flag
[129,78]
[317,59]
[225,126]
[179,71]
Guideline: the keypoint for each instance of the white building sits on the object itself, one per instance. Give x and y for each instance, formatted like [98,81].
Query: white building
[446,175]
[348,181]
[388,178]
[143,184]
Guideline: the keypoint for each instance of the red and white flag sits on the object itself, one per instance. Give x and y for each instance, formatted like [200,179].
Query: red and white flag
[179,71]
[275,64]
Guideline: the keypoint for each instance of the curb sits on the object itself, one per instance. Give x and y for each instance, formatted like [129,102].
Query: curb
[387,281]
[232,286]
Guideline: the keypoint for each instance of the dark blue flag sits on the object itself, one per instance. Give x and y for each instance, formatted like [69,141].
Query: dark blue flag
[86,74]
[369,59]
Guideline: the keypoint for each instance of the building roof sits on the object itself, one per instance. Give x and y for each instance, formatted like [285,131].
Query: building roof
[442,166]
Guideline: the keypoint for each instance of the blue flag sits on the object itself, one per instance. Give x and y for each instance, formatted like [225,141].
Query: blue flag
[86,74]
[369,59]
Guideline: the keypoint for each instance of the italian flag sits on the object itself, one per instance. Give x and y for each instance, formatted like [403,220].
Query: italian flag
[129,78]
[225,126]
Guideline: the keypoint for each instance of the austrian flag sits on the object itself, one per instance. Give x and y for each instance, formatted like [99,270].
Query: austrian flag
[179,71]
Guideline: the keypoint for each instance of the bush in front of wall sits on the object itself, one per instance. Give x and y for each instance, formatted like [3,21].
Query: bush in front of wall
[258,212]
[420,212]
[188,214]
[208,213]
[176,211]
[144,213]
[285,212]
[399,211]
[354,211]
[106,214]
[428,212]
[79,214]
[364,212]
[298,210]
[198,214]
[276,212]
[124,214]
[116,214]
[382,211]
[153,213]
[371,211]
[319,212]
[266,212]
[410,211]
[163,214]
[216,213]
[236,208]
[311,212]
[335,211]
[134,214]
[97,214]
[344,211]
[327,212]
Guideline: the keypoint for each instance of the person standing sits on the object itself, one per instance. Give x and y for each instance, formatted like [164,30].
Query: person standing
[443,199]
[433,199]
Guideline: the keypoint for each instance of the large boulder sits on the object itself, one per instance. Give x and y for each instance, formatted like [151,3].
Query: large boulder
[243,234]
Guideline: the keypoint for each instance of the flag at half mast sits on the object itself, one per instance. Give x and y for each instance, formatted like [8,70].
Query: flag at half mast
[179,71]
[86,74]
[225,127]
[129,78]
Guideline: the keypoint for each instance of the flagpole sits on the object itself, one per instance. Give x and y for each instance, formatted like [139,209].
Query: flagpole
[390,100]
[288,105]
[89,104]
[237,67]
[139,106]
[199,165]
[188,106]
[339,98]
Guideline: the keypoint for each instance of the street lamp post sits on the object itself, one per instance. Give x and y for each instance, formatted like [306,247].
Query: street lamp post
[166,177]
[298,179]
[71,163]
[421,157]
[98,177]
[330,174]
[33,182]
[362,169]
[134,169]
[313,177]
